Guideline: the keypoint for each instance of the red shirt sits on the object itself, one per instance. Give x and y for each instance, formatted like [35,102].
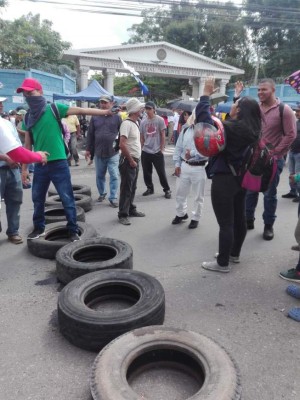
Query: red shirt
[272,128]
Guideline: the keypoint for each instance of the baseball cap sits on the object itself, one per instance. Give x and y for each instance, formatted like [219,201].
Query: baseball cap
[21,112]
[2,99]
[29,84]
[150,104]
[106,98]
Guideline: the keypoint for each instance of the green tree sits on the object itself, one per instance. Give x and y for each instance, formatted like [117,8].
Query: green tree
[274,26]
[28,40]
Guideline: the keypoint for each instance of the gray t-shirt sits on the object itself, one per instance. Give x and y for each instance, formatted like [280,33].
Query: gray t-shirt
[151,131]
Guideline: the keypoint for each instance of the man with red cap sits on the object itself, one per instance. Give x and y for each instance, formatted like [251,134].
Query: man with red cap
[43,131]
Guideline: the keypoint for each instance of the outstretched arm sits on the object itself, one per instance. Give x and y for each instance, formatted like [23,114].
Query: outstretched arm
[202,108]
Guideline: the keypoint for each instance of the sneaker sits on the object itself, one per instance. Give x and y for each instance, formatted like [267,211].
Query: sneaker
[193,224]
[135,213]
[268,232]
[291,275]
[113,204]
[124,221]
[233,259]
[168,194]
[74,237]
[101,197]
[177,219]
[289,195]
[296,199]
[36,233]
[214,266]
[148,192]
[15,239]
[250,224]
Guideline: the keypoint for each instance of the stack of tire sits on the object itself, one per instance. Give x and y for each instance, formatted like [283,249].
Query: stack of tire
[108,306]
[56,233]
[98,271]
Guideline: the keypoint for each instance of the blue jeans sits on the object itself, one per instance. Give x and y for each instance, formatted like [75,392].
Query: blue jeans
[294,168]
[12,193]
[102,164]
[58,173]
[270,199]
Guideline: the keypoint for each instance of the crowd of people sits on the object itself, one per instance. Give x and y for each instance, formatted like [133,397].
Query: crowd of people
[119,140]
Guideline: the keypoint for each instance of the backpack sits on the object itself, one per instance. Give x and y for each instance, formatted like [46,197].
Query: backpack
[258,166]
[116,143]
[62,128]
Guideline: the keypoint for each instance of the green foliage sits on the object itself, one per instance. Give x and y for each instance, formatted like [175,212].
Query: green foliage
[276,34]
[27,40]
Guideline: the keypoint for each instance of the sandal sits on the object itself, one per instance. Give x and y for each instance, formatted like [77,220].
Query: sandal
[293,291]
[294,313]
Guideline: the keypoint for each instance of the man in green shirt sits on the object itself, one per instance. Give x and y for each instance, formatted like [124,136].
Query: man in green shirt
[44,133]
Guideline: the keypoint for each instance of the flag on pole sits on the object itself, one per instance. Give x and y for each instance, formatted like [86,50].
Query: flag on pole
[143,87]
[129,68]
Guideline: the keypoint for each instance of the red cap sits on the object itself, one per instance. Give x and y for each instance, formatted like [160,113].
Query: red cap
[29,84]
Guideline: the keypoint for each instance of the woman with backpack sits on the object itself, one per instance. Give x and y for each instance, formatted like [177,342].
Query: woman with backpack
[242,130]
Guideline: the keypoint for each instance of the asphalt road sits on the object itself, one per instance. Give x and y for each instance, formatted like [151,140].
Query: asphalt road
[244,311]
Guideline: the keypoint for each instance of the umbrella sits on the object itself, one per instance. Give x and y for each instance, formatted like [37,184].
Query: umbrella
[164,111]
[224,107]
[186,105]
[217,98]
[294,81]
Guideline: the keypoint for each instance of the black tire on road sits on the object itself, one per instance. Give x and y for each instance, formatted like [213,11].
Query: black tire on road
[57,214]
[57,236]
[147,348]
[92,329]
[77,189]
[81,200]
[90,255]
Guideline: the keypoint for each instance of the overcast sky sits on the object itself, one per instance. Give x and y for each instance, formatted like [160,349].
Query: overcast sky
[81,29]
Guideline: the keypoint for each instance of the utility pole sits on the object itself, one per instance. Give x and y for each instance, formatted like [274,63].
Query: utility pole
[257,65]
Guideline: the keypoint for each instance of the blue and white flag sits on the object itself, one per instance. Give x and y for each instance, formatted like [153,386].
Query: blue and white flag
[143,87]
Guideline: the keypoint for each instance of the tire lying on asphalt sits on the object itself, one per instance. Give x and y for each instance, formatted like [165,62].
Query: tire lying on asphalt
[86,321]
[145,350]
[77,189]
[85,256]
[57,214]
[81,200]
[57,236]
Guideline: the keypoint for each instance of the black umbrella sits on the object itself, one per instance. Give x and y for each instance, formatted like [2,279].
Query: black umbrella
[164,111]
[186,105]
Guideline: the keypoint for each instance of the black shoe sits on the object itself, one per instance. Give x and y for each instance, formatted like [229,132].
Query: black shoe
[36,233]
[268,232]
[74,237]
[296,199]
[168,194]
[289,196]
[113,204]
[177,219]
[148,192]
[250,224]
[193,224]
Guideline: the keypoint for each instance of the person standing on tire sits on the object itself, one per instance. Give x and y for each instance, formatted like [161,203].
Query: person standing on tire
[102,133]
[43,131]
[73,126]
[130,145]
[280,134]
[152,130]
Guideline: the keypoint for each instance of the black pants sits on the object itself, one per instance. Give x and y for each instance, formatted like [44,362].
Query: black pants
[158,160]
[129,178]
[228,201]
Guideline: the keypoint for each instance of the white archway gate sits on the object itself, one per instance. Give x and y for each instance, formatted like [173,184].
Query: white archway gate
[152,59]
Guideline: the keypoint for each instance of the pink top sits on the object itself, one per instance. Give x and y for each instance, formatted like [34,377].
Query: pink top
[24,156]
[272,128]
